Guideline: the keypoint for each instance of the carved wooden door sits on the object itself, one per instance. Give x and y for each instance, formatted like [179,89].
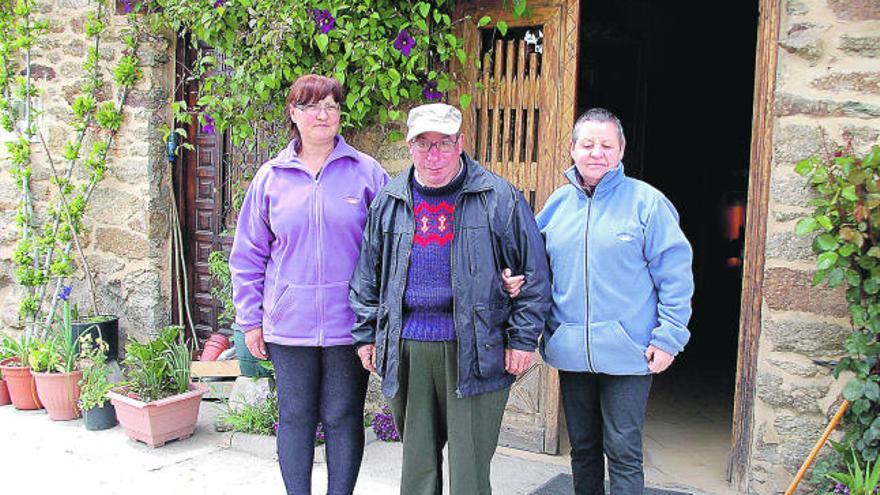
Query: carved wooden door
[518,126]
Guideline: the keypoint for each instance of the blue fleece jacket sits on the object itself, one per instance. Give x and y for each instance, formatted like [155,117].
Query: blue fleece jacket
[622,277]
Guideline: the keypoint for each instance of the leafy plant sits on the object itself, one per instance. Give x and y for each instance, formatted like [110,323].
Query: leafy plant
[859,479]
[845,223]
[20,348]
[159,368]
[257,418]
[95,382]
[43,256]
[218,266]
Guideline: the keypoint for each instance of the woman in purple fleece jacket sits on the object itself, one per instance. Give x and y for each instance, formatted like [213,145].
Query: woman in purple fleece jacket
[296,245]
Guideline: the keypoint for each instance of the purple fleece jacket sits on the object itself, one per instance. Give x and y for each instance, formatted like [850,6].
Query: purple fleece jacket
[297,243]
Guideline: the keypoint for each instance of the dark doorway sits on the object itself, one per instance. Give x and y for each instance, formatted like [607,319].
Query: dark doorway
[681,79]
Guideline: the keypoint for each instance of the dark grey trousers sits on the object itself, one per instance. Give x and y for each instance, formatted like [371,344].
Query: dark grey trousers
[605,414]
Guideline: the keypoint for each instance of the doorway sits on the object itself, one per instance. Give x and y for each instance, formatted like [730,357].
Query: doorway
[682,83]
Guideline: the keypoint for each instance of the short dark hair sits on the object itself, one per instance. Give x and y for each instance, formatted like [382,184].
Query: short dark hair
[601,115]
[312,88]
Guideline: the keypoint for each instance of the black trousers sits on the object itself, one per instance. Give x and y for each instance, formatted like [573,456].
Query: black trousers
[605,415]
[326,384]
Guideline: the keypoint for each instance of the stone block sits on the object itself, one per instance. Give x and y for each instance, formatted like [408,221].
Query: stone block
[75,48]
[790,104]
[789,189]
[859,82]
[796,7]
[112,206]
[794,142]
[862,137]
[855,10]
[773,390]
[811,338]
[248,390]
[862,46]
[72,4]
[122,243]
[789,246]
[791,290]
[805,41]
[798,369]
[41,72]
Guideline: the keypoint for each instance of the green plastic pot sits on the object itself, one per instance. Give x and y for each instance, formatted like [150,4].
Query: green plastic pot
[247,363]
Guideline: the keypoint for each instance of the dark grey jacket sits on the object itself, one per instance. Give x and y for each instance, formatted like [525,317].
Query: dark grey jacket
[494,229]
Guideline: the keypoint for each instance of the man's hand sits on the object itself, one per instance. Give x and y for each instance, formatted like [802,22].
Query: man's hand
[512,284]
[367,353]
[253,339]
[658,359]
[517,362]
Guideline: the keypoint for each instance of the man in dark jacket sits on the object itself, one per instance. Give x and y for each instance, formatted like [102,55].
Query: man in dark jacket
[433,319]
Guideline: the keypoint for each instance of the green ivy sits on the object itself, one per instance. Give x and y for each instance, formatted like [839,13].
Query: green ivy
[845,223]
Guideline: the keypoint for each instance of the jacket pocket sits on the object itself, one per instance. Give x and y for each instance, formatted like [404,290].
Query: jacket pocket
[489,325]
[294,311]
[565,348]
[614,352]
[381,339]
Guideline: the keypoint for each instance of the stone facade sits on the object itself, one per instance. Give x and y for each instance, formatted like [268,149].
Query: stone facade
[826,91]
[127,222]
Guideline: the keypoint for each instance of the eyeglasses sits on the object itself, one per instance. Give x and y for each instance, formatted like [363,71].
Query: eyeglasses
[315,109]
[443,146]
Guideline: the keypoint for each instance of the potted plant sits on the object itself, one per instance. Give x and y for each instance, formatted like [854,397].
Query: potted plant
[104,327]
[5,353]
[17,374]
[56,370]
[98,412]
[158,402]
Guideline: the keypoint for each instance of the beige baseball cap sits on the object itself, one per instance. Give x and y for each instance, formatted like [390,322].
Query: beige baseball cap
[433,117]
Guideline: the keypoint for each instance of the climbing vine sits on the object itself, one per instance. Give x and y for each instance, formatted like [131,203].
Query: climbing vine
[43,256]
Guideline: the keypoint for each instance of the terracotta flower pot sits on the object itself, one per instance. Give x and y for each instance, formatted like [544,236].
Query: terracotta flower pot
[4,394]
[20,381]
[215,344]
[154,423]
[59,393]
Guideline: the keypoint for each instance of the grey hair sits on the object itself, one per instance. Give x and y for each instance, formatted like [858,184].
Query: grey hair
[600,115]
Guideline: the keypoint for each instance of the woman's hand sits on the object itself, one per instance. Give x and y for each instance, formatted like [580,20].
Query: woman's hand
[512,284]
[367,353]
[658,359]
[253,339]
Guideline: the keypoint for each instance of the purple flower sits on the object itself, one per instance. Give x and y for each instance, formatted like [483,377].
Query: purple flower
[217,5]
[65,293]
[324,20]
[383,426]
[319,434]
[275,427]
[404,42]
[429,91]
[208,127]
[127,5]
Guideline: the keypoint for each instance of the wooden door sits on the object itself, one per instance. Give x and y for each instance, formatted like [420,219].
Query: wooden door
[518,126]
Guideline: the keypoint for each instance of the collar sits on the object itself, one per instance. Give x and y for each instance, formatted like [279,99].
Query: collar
[289,157]
[475,180]
[606,184]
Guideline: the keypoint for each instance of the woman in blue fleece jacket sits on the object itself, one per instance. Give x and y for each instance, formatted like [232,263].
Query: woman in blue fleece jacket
[622,287]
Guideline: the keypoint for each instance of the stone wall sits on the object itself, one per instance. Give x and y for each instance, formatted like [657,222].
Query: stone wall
[827,89]
[126,243]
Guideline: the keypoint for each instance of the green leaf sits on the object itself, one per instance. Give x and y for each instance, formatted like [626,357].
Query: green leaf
[826,260]
[874,251]
[806,225]
[423,8]
[871,285]
[853,390]
[827,242]
[835,278]
[502,28]
[465,100]
[395,136]
[322,40]
[872,390]
[849,192]
[483,21]
[825,222]
[804,167]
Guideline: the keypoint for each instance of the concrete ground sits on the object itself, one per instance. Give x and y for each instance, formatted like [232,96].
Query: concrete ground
[75,461]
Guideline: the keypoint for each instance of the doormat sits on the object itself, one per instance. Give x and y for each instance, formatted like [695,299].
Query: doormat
[562,485]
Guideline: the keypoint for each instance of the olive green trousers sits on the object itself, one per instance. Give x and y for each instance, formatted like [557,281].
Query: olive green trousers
[428,414]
